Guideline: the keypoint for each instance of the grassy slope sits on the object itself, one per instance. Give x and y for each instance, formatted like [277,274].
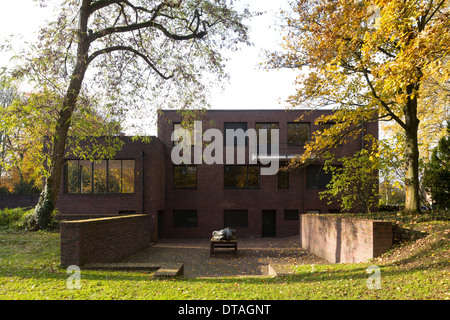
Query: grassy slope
[416,268]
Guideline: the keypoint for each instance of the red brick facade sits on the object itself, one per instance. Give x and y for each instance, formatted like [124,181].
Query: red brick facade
[210,199]
[155,194]
[104,240]
[345,240]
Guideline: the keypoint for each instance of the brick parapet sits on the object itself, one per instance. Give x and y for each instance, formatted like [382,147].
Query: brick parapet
[344,240]
[103,240]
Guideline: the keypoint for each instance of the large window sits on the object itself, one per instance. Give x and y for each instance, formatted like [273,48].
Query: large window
[324,126]
[105,176]
[241,177]
[283,179]
[239,139]
[184,218]
[317,178]
[184,177]
[235,218]
[297,133]
[269,126]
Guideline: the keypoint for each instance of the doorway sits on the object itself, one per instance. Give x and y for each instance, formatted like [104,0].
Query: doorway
[268,223]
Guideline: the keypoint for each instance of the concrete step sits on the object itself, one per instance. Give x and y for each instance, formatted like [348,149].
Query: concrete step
[163,270]
[122,266]
[170,270]
[279,270]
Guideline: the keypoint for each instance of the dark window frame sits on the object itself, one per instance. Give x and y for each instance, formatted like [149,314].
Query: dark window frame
[298,133]
[180,218]
[234,144]
[269,139]
[317,178]
[184,185]
[323,125]
[232,219]
[247,177]
[291,214]
[280,175]
[92,180]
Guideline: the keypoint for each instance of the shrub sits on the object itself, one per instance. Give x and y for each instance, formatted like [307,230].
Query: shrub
[19,219]
[14,218]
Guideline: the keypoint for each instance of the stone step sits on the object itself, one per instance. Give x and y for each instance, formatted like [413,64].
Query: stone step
[163,270]
[279,270]
[170,270]
[122,266]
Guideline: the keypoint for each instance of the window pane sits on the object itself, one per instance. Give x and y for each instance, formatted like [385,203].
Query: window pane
[239,139]
[100,181]
[184,218]
[253,177]
[229,176]
[290,214]
[86,176]
[298,133]
[283,179]
[241,176]
[128,167]
[303,133]
[235,218]
[292,136]
[269,127]
[325,125]
[114,176]
[178,176]
[185,176]
[317,178]
[191,177]
[73,176]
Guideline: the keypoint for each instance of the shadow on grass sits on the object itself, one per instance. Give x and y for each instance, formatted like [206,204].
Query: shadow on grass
[403,235]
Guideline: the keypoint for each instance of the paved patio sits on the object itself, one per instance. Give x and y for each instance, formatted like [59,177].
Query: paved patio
[254,255]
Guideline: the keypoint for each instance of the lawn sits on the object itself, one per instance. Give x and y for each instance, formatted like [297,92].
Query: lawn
[416,268]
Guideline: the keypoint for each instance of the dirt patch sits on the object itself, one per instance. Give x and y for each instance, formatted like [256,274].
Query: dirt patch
[254,255]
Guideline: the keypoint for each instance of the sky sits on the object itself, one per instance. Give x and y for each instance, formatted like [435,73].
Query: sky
[249,87]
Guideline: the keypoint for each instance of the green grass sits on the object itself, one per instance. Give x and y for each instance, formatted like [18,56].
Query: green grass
[417,268]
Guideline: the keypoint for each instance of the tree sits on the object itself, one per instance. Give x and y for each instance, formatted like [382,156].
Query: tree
[354,182]
[26,122]
[126,50]
[437,173]
[369,61]
[433,107]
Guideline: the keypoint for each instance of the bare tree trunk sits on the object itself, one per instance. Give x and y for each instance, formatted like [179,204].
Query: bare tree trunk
[47,200]
[412,200]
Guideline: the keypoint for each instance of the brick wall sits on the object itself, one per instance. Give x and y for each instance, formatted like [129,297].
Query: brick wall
[210,198]
[18,200]
[104,240]
[345,240]
[149,188]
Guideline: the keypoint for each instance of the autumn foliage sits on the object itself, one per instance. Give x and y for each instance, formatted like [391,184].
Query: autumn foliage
[369,61]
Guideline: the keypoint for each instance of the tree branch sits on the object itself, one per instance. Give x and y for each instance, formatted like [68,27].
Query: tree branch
[143,25]
[129,49]
[432,14]
[384,104]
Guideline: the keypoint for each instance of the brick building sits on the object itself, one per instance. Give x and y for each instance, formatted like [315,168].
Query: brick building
[193,200]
